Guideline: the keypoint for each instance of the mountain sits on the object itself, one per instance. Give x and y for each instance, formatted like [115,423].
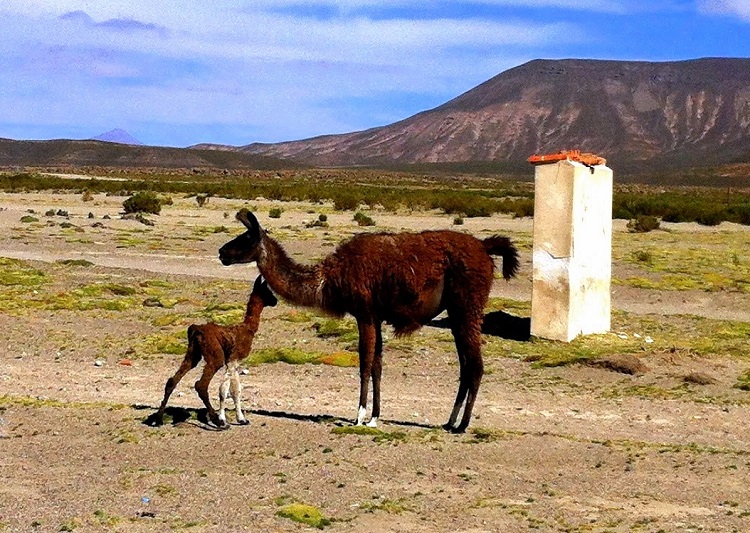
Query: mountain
[670,113]
[117,136]
[72,154]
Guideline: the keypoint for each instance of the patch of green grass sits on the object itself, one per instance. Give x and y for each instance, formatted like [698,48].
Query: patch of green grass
[297,317]
[70,525]
[158,343]
[385,505]
[163,489]
[304,514]
[7,400]
[103,518]
[743,381]
[343,359]
[224,314]
[19,273]
[378,435]
[484,435]
[292,356]
[631,334]
[710,261]
[344,330]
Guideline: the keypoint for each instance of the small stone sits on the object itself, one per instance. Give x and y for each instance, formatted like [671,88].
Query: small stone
[98,362]
[699,378]
[625,363]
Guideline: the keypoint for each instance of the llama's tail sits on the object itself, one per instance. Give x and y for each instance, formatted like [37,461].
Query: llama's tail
[503,246]
[194,352]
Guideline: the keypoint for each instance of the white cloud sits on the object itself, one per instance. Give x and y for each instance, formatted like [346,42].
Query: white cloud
[196,63]
[736,8]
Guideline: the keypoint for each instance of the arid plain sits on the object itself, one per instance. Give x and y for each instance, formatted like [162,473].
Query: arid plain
[93,321]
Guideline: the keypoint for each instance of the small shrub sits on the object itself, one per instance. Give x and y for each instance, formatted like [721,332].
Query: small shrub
[643,256]
[201,199]
[322,218]
[345,202]
[458,221]
[143,202]
[275,212]
[49,213]
[362,219]
[87,196]
[643,224]
[28,219]
[710,218]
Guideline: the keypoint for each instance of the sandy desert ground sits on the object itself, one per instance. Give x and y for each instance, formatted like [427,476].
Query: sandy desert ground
[552,448]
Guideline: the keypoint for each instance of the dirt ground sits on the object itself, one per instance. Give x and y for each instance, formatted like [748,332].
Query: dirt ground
[570,448]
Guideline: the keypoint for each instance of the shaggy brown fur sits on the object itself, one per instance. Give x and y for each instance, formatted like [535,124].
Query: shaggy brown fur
[403,279]
[220,346]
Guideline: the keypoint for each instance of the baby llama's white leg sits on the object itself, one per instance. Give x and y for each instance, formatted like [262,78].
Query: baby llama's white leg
[224,390]
[236,391]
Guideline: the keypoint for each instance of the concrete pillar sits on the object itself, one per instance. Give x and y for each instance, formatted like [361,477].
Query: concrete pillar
[572,251]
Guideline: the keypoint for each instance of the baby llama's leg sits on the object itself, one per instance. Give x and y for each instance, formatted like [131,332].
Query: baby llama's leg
[224,390]
[236,391]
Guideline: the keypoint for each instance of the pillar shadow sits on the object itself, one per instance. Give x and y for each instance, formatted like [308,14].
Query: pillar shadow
[498,324]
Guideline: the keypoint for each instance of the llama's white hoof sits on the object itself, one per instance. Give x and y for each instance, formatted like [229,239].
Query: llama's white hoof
[373,423]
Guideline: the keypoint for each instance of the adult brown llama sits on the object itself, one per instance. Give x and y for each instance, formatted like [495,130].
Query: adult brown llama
[220,346]
[403,279]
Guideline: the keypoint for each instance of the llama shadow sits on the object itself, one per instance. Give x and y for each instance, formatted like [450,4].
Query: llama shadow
[498,324]
[333,420]
[199,418]
[177,415]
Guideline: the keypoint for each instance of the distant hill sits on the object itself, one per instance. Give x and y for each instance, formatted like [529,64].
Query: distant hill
[117,136]
[666,114]
[70,153]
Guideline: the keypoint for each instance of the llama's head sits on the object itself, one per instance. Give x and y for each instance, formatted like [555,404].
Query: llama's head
[244,248]
[263,291]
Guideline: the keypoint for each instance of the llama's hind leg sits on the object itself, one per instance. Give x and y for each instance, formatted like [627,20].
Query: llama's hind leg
[467,334]
[192,358]
[377,371]
[201,387]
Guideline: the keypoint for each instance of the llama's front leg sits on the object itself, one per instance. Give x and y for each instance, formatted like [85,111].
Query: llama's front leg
[224,391]
[367,340]
[236,391]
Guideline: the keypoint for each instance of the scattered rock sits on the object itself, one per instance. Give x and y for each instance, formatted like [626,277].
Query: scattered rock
[125,362]
[152,302]
[700,378]
[98,362]
[623,363]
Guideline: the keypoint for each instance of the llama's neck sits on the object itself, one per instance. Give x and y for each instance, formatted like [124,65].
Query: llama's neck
[252,313]
[297,283]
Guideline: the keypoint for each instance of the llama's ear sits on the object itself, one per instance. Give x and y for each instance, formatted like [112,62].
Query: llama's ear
[250,222]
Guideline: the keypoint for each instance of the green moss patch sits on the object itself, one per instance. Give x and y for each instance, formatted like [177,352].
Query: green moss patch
[304,514]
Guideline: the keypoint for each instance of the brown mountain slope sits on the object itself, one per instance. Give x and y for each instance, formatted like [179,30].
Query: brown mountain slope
[71,153]
[683,113]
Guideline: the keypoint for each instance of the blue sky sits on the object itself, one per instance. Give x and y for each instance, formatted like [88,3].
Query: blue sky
[177,73]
